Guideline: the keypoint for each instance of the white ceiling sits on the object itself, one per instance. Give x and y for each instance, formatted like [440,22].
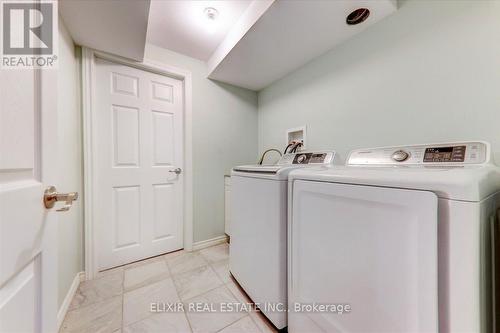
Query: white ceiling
[114,26]
[255,42]
[288,35]
[181,26]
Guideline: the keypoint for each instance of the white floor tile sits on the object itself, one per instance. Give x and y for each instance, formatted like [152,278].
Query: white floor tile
[137,303]
[93,291]
[196,282]
[222,270]
[260,320]
[216,253]
[172,322]
[244,325]
[206,321]
[238,292]
[185,262]
[142,275]
[119,300]
[101,317]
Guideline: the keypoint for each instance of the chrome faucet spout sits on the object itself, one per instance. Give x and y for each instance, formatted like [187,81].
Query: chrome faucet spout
[267,151]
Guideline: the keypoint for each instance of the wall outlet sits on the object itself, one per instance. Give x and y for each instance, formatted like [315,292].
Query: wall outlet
[297,134]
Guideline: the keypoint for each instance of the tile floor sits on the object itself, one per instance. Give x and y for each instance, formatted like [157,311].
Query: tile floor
[119,300]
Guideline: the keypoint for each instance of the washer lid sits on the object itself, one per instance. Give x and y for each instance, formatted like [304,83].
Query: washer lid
[287,163]
[269,169]
[276,172]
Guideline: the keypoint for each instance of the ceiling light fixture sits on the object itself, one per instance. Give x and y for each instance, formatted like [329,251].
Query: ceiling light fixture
[211,15]
[357,16]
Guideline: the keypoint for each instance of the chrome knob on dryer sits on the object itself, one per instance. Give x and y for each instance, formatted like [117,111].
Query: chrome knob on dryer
[400,156]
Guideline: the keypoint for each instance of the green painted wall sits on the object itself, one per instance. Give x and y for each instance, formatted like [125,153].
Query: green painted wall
[430,72]
[224,135]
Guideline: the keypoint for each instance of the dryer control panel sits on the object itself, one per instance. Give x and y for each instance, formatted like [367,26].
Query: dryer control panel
[459,153]
[320,157]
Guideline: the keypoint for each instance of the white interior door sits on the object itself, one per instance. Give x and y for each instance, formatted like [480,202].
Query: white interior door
[138,144]
[28,232]
[372,248]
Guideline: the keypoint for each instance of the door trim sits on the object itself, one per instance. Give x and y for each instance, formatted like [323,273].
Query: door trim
[88,74]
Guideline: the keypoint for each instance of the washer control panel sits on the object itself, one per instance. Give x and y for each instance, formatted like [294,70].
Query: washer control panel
[321,157]
[434,154]
[445,154]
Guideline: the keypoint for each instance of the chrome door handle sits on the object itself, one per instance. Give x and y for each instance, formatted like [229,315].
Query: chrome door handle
[51,196]
[177,171]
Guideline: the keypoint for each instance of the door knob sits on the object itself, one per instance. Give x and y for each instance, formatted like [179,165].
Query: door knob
[177,171]
[51,196]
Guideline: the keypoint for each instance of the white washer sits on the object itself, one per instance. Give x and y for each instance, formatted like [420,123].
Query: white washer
[257,256]
[402,235]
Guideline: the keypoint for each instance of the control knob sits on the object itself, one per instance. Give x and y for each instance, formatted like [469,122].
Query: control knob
[301,159]
[400,156]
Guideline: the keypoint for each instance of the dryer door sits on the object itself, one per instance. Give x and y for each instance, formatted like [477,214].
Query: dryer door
[368,248]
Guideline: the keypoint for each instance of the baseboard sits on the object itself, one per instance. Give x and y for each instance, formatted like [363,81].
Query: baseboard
[209,242]
[79,277]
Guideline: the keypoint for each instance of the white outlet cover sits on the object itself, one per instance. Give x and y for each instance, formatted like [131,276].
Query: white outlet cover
[297,133]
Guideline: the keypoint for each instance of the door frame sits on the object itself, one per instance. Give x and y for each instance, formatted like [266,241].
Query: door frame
[89,57]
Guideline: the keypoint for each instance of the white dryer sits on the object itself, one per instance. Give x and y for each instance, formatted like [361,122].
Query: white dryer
[398,240]
[257,254]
